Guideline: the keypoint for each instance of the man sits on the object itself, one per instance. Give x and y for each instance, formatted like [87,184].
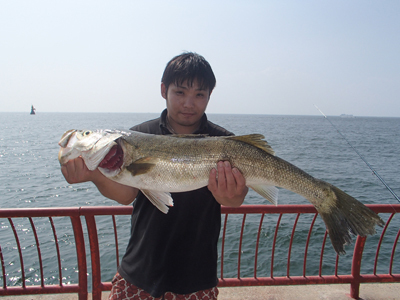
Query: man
[174,255]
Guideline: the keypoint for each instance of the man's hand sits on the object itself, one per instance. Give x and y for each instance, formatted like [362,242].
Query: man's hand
[75,171]
[229,188]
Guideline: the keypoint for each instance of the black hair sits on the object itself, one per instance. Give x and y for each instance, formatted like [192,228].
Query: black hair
[189,66]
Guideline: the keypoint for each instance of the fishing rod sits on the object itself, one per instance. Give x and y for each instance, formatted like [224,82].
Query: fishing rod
[364,160]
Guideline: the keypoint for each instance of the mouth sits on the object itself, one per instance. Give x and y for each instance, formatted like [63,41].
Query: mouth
[114,159]
[187,115]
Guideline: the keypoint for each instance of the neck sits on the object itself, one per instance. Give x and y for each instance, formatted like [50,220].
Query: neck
[181,129]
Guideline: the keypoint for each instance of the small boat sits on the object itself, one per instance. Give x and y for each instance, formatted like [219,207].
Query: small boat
[33,110]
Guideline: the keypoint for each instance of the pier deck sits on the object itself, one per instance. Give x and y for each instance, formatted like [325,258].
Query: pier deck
[368,291]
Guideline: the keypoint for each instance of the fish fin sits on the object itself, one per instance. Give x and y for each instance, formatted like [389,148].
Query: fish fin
[345,216]
[256,140]
[161,200]
[269,192]
[142,165]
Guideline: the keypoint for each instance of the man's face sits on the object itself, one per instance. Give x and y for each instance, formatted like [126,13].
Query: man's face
[186,105]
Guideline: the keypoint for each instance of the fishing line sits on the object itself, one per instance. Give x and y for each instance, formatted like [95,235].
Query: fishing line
[364,160]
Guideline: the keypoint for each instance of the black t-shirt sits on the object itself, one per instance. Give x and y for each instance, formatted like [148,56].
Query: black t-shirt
[174,252]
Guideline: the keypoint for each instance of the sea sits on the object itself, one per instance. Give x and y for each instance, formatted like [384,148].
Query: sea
[30,177]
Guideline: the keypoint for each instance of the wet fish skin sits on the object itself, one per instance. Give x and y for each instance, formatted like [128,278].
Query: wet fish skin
[158,165]
[93,146]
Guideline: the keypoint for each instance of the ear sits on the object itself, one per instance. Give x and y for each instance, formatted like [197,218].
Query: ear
[163,91]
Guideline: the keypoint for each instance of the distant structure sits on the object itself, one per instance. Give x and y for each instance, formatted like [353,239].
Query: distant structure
[33,110]
[346,116]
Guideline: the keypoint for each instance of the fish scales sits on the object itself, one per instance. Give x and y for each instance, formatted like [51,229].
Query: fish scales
[184,164]
[177,166]
[159,165]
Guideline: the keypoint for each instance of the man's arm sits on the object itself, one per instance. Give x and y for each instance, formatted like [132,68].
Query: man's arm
[229,188]
[75,171]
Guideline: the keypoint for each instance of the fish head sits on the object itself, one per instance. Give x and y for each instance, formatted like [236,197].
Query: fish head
[92,146]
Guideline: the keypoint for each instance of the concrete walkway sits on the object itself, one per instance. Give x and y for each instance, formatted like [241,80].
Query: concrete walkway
[368,291]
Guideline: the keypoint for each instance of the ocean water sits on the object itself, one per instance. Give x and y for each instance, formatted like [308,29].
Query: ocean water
[30,177]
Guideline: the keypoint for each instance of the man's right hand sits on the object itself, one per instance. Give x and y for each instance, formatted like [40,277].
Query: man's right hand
[75,171]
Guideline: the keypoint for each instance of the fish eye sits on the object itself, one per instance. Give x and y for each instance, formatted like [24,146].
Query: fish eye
[87,132]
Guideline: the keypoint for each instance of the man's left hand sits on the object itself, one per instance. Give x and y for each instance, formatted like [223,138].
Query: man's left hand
[229,187]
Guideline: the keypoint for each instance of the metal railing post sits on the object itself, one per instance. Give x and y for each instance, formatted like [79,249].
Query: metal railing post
[95,256]
[356,267]
[81,257]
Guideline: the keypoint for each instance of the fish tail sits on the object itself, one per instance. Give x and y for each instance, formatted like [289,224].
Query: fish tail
[344,217]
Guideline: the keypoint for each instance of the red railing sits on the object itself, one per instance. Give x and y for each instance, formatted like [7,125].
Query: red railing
[248,233]
[74,214]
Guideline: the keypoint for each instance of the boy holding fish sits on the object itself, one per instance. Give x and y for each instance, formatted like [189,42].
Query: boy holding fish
[174,255]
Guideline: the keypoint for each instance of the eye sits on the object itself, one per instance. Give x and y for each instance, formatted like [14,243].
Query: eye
[87,132]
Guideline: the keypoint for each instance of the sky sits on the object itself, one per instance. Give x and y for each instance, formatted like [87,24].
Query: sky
[269,57]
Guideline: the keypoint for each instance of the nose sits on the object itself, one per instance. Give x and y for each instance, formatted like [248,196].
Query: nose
[189,101]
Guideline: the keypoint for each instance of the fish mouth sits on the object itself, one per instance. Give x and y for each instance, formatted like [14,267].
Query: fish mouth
[113,160]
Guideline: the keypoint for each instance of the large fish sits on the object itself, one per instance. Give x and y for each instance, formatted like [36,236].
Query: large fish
[159,165]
